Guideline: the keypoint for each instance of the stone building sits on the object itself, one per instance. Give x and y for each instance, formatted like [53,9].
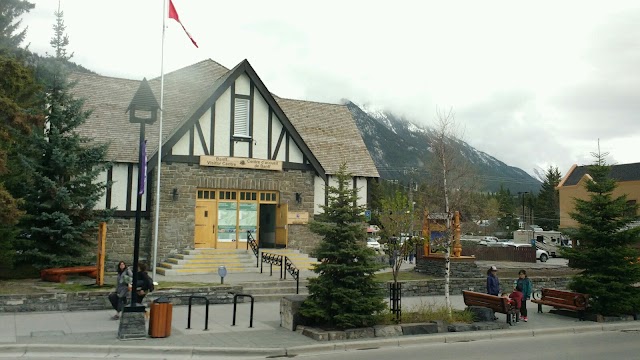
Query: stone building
[236,160]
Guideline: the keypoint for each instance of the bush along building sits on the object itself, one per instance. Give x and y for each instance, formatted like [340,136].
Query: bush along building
[235,159]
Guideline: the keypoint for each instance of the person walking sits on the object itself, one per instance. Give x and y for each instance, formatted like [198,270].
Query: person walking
[118,298]
[493,283]
[527,288]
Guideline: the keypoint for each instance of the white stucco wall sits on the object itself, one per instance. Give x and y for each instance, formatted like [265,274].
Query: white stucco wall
[119,186]
[205,125]
[260,124]
[102,202]
[318,194]
[295,155]
[223,124]
[182,146]
[275,134]
[361,184]
[243,84]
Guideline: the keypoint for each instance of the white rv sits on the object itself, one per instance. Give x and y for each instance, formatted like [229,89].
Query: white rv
[549,240]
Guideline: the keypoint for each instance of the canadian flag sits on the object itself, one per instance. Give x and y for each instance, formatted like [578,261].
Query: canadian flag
[173,14]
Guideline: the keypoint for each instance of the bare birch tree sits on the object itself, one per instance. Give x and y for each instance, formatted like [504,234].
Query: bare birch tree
[451,175]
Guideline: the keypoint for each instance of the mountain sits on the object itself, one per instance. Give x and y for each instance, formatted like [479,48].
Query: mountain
[399,146]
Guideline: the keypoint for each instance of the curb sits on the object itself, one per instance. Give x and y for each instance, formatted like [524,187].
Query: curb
[12,351]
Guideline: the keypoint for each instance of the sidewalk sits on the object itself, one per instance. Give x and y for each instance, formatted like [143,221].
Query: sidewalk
[92,331]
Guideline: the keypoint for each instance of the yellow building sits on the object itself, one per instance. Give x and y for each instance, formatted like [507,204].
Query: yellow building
[572,186]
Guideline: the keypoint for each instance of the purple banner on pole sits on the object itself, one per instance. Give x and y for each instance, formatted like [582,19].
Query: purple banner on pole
[143,168]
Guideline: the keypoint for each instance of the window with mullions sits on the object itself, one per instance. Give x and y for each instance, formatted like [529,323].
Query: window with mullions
[206,194]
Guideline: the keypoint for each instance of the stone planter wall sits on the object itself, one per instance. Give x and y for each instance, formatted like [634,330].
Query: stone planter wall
[436,286]
[97,300]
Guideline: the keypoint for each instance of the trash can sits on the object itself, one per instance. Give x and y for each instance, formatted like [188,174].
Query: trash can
[160,318]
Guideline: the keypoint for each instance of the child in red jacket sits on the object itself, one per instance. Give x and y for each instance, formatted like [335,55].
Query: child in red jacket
[516,297]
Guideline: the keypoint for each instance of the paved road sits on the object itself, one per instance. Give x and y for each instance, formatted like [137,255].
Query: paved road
[617,345]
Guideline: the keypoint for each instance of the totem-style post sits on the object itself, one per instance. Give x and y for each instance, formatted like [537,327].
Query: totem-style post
[143,110]
[457,246]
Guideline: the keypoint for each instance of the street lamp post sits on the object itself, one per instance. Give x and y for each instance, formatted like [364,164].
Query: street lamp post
[142,110]
[524,223]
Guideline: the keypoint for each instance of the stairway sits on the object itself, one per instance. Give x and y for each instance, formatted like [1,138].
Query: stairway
[273,290]
[207,261]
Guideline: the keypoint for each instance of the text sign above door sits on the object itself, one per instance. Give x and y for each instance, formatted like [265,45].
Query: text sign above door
[244,163]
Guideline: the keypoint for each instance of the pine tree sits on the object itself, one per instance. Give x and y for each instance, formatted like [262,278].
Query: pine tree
[62,189]
[605,252]
[345,293]
[547,205]
[18,114]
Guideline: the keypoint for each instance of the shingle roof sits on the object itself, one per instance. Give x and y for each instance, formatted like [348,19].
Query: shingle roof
[622,172]
[331,133]
[109,98]
[328,130]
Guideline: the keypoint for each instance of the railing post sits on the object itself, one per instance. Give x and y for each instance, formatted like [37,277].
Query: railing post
[281,264]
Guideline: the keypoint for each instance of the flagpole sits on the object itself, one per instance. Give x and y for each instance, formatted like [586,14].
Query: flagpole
[157,211]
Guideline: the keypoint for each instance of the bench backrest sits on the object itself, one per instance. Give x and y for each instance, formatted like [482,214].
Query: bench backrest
[497,303]
[565,297]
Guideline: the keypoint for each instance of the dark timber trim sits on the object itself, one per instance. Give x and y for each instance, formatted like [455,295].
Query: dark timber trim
[269,133]
[129,214]
[186,159]
[201,136]
[129,185]
[277,149]
[242,96]
[297,166]
[233,118]
[107,204]
[191,140]
[326,191]
[219,87]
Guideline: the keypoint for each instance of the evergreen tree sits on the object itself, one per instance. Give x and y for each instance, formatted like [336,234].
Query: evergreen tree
[506,210]
[18,114]
[605,251]
[62,189]
[60,39]
[345,293]
[547,205]
[11,34]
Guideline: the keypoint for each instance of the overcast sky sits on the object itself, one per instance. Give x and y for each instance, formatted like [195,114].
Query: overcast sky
[531,83]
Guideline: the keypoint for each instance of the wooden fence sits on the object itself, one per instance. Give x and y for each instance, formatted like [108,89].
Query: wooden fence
[494,253]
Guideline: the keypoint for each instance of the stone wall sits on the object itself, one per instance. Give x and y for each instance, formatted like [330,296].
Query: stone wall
[177,217]
[461,268]
[98,300]
[120,238]
[436,286]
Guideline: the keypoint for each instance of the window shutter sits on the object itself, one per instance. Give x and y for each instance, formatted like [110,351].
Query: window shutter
[241,118]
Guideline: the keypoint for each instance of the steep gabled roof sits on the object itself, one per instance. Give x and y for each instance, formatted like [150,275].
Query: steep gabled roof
[332,135]
[622,172]
[327,133]
[110,97]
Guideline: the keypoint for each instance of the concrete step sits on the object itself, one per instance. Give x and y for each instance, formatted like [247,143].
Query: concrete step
[273,283]
[202,271]
[230,261]
[273,297]
[211,256]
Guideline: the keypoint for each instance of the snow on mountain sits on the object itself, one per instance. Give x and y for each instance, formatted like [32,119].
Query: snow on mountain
[398,145]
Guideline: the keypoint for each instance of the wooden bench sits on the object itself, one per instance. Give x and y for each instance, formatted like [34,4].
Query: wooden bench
[60,274]
[561,299]
[498,304]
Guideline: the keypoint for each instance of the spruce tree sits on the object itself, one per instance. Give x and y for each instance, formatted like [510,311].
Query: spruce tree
[606,253]
[547,205]
[345,293]
[62,190]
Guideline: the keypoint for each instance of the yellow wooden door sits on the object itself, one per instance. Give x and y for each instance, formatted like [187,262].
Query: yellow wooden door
[205,224]
[282,212]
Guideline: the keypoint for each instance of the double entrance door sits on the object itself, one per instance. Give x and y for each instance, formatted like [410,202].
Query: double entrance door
[224,219]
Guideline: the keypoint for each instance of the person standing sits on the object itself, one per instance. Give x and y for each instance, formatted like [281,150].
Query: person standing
[527,288]
[493,283]
[118,298]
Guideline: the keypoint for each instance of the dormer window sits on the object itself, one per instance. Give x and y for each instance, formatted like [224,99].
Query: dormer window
[241,118]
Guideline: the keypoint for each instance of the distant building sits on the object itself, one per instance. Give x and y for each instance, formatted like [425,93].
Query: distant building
[572,186]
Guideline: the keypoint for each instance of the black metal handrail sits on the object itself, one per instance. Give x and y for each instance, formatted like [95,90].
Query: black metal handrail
[271,259]
[293,270]
[251,242]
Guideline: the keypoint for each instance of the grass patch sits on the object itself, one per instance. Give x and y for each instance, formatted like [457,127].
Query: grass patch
[427,312]
[403,275]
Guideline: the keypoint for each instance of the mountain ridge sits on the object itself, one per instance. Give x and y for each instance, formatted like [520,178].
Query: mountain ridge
[397,146]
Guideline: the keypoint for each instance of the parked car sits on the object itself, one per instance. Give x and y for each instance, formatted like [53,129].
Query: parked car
[373,244]
[541,255]
[486,240]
